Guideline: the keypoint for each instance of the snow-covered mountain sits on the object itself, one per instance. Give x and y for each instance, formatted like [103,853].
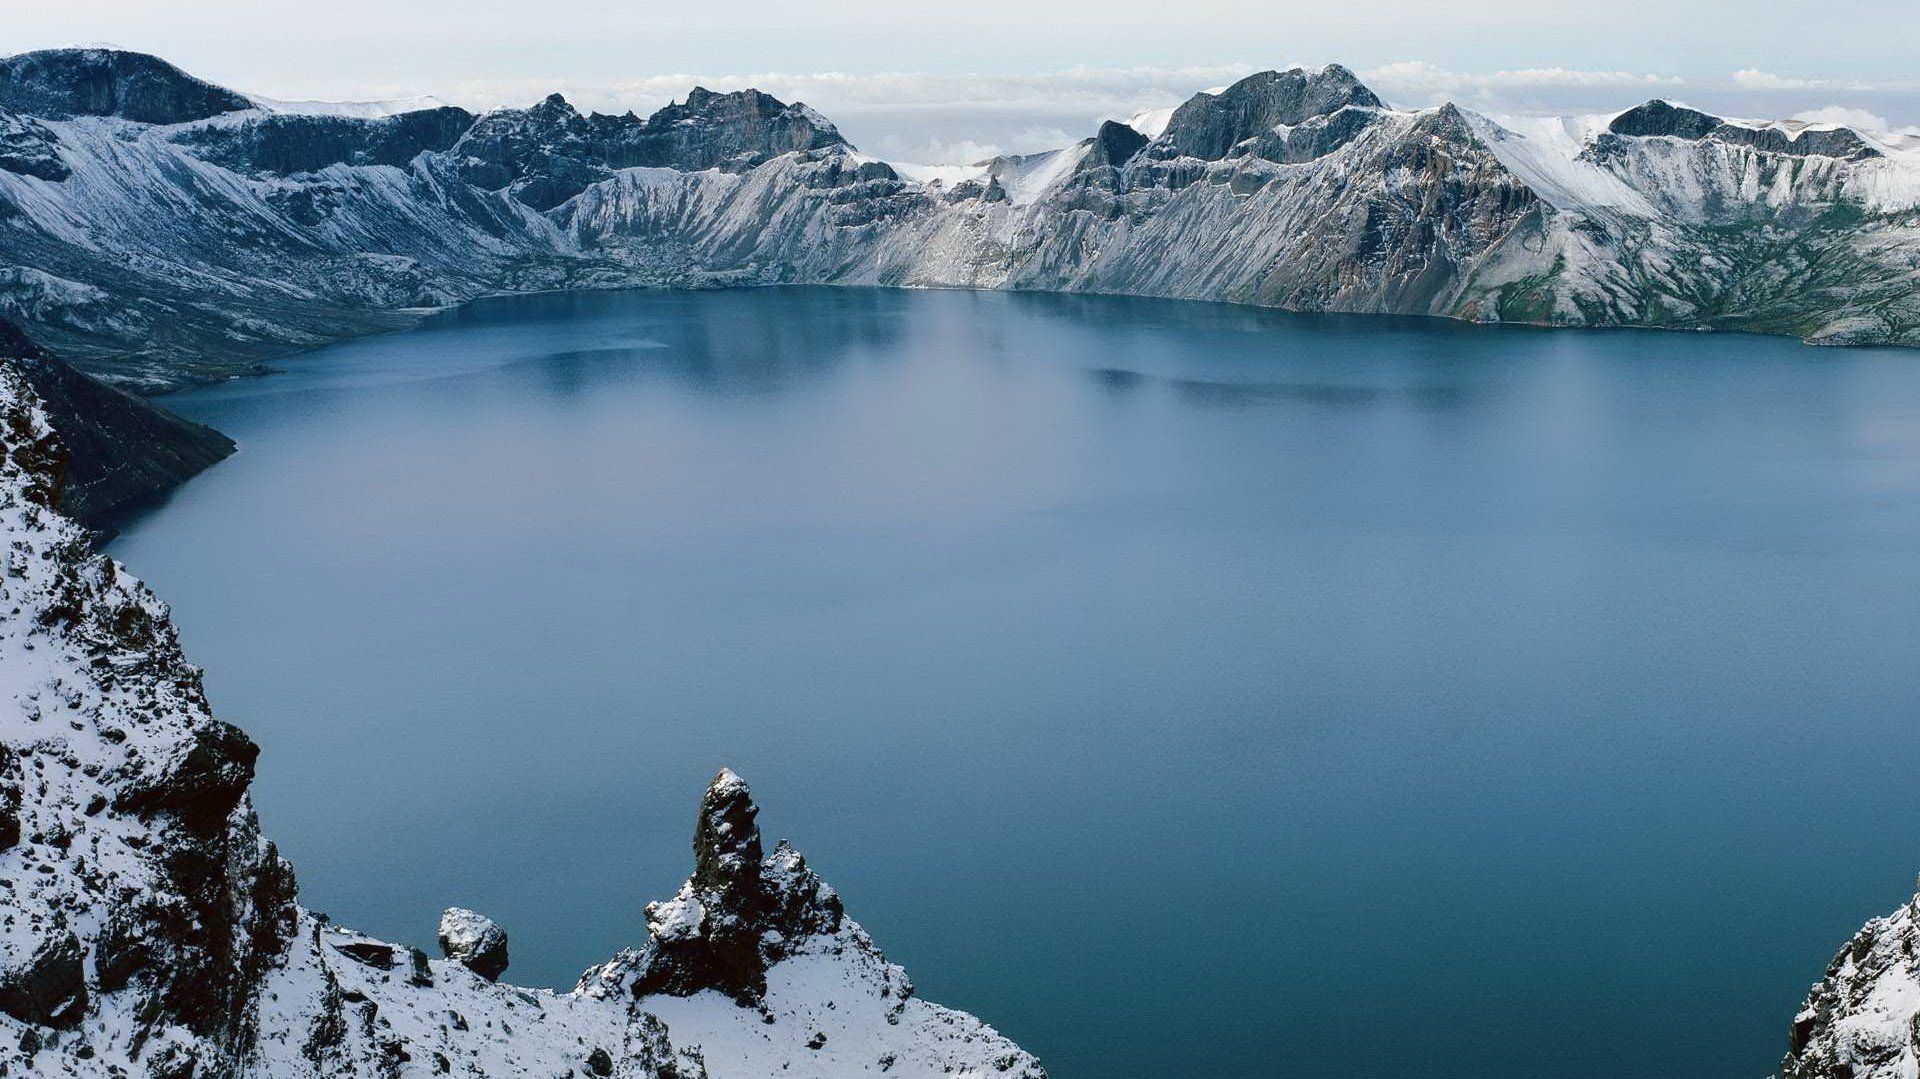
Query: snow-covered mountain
[157,229]
[147,928]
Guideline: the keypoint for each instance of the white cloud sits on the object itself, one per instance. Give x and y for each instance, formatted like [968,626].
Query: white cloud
[1857,119]
[1417,82]
[1752,78]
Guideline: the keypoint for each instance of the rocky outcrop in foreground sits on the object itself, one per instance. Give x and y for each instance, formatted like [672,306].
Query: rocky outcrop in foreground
[158,230]
[1862,1020]
[147,928]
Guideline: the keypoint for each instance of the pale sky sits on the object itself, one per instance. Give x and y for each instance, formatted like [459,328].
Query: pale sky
[925,81]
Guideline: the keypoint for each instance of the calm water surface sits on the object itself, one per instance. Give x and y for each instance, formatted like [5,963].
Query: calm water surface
[1186,689]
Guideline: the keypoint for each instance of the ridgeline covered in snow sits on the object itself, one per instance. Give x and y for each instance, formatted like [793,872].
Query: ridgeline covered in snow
[157,229]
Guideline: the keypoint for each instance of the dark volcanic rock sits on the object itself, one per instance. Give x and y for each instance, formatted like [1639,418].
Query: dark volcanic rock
[372,953]
[9,797]
[738,912]
[549,153]
[30,149]
[288,144]
[1658,117]
[709,130]
[50,989]
[1826,142]
[107,82]
[203,785]
[543,153]
[1210,125]
[1115,143]
[123,452]
[1314,137]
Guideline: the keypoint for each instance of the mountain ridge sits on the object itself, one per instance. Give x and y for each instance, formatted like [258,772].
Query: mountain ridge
[159,254]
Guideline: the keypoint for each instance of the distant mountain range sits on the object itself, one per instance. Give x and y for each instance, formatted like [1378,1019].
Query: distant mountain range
[157,229]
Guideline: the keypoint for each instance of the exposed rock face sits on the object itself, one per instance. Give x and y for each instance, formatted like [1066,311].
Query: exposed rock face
[177,251]
[474,941]
[710,130]
[739,913]
[1657,118]
[135,840]
[108,82]
[549,153]
[1862,1020]
[1660,118]
[1209,126]
[148,930]
[287,144]
[29,148]
[122,452]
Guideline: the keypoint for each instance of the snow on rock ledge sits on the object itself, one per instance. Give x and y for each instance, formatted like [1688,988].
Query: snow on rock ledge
[148,930]
[1862,1020]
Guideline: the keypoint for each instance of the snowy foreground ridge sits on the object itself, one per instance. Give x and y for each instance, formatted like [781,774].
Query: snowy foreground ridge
[157,229]
[148,929]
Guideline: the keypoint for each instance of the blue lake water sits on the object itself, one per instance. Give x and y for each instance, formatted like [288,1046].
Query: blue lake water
[1186,689]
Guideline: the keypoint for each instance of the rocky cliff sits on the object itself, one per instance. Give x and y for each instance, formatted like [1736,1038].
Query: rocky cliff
[158,230]
[147,928]
[122,452]
[1862,1020]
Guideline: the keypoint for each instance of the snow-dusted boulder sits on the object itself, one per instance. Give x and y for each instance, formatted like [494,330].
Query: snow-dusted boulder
[474,941]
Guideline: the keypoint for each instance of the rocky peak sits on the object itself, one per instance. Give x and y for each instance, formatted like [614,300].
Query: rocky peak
[1208,126]
[1114,144]
[738,914]
[59,83]
[726,841]
[1658,117]
[546,154]
[710,130]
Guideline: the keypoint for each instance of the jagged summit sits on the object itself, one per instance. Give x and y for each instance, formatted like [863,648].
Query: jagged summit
[549,152]
[1208,126]
[736,916]
[59,83]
